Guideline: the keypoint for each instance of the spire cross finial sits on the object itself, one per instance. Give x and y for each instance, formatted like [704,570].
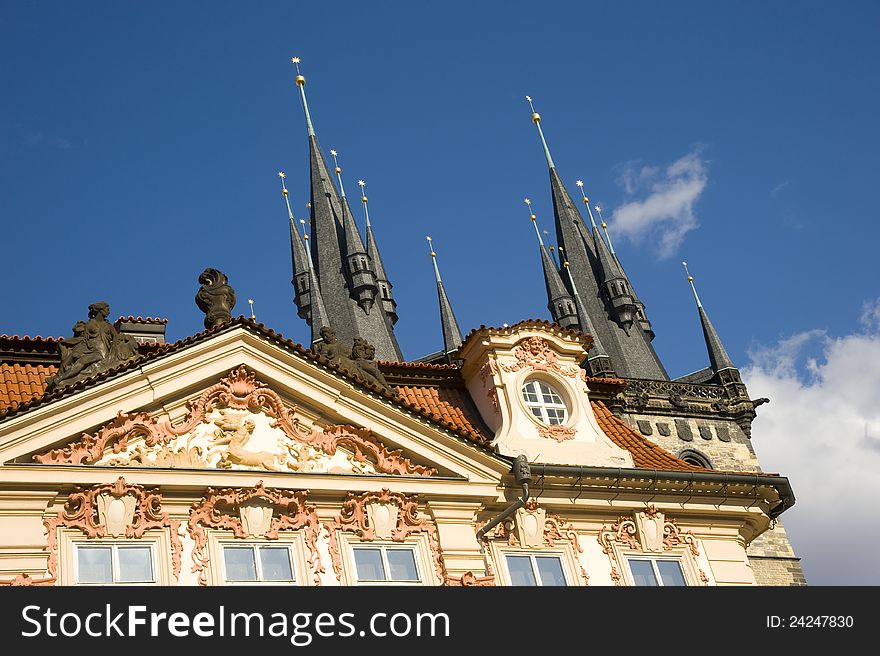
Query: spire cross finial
[605,229]
[691,281]
[301,83]
[433,258]
[251,303]
[363,186]
[338,170]
[534,219]
[536,119]
[580,184]
[286,195]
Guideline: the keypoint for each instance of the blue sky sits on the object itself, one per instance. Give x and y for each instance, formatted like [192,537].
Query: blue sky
[139,143]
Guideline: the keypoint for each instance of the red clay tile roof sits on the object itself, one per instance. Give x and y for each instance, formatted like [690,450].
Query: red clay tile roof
[451,407]
[646,454]
[21,383]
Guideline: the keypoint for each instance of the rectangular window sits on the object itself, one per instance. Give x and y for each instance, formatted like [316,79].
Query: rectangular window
[654,572]
[535,569]
[258,563]
[386,564]
[108,564]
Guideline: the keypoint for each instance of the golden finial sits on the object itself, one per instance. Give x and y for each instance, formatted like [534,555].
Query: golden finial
[300,80]
[285,194]
[335,162]
[580,184]
[338,172]
[534,219]
[690,280]
[301,83]
[433,258]
[605,230]
[363,185]
[283,187]
[251,303]
[536,119]
[302,223]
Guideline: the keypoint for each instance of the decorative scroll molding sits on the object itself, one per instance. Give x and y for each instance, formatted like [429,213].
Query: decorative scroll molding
[625,532]
[358,516]
[94,511]
[533,528]
[251,511]
[469,579]
[535,353]
[226,405]
[556,432]
[487,373]
[27,580]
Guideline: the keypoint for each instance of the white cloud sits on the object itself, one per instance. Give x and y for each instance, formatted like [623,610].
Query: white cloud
[665,212]
[822,430]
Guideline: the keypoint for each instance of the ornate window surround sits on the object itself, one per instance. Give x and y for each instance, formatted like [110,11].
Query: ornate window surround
[650,534]
[558,432]
[383,518]
[535,531]
[252,513]
[116,511]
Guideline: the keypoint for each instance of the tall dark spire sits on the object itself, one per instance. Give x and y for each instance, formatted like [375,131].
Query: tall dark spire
[343,268]
[718,358]
[559,300]
[451,332]
[389,305]
[599,364]
[629,348]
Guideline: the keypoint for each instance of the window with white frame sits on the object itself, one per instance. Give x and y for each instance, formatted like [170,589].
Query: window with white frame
[109,563]
[254,563]
[544,402]
[535,569]
[656,571]
[386,564]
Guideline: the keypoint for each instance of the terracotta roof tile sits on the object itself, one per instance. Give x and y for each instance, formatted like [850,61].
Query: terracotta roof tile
[646,454]
[22,383]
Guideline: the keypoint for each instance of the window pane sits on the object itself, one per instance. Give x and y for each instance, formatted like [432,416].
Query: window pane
[643,572]
[275,562]
[94,565]
[402,563]
[240,564]
[550,570]
[520,568]
[537,413]
[670,572]
[135,564]
[369,564]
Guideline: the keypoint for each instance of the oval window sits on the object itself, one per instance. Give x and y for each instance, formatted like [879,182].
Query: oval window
[544,402]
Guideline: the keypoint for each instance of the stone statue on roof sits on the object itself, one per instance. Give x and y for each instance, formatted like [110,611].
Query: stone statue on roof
[95,347]
[356,361]
[215,297]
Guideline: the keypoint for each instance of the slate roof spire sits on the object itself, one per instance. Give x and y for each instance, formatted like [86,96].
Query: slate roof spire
[389,305]
[599,364]
[718,358]
[307,293]
[451,332]
[559,300]
[627,345]
[344,270]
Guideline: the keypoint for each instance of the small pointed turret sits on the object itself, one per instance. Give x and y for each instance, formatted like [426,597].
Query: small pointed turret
[559,301]
[641,315]
[598,362]
[613,283]
[388,302]
[718,358]
[361,275]
[307,293]
[451,332]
